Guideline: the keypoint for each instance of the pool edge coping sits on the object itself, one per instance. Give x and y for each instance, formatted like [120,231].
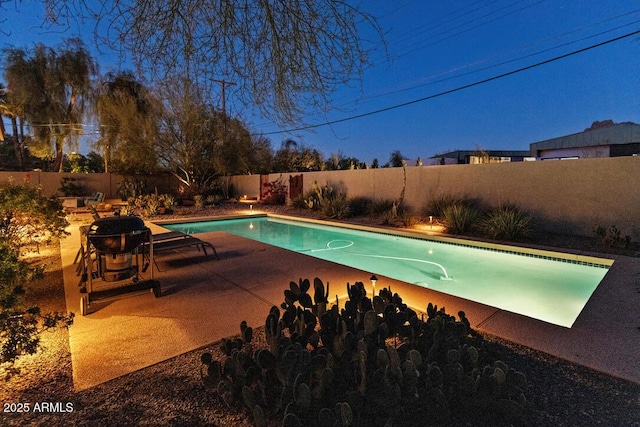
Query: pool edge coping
[586,259]
[501,247]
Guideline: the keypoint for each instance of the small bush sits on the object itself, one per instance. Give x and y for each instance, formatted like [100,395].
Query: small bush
[130,188]
[199,201]
[407,219]
[300,202]
[69,188]
[29,217]
[127,210]
[611,237]
[326,200]
[380,207]
[436,207]
[360,206]
[276,192]
[336,207]
[213,199]
[168,201]
[311,199]
[149,204]
[507,222]
[20,326]
[461,218]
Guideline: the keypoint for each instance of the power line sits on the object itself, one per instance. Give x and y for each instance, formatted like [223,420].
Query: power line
[458,89]
[462,28]
[427,81]
[445,33]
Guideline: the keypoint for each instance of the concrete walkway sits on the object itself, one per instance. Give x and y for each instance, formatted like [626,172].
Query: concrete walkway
[204,300]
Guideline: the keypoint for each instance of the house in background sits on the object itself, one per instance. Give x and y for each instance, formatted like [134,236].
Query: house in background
[463,157]
[602,139]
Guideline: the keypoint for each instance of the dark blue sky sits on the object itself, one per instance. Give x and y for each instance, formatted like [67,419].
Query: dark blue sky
[431,41]
[434,47]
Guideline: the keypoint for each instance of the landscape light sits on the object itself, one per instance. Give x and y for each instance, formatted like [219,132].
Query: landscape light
[373,279]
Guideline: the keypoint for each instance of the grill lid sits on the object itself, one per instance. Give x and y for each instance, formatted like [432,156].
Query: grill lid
[116,235]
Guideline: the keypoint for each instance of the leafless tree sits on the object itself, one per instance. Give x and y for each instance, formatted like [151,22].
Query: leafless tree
[283,55]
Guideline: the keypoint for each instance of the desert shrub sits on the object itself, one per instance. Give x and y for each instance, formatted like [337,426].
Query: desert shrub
[276,192]
[69,187]
[314,197]
[199,201]
[20,326]
[300,202]
[611,237]
[373,359]
[213,199]
[461,218]
[223,189]
[152,205]
[310,199]
[130,188]
[149,204]
[360,206]
[507,222]
[336,207]
[327,200]
[29,217]
[127,210]
[437,206]
[407,219]
[168,201]
[381,206]
[388,218]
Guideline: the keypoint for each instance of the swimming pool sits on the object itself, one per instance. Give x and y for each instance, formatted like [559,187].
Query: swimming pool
[544,285]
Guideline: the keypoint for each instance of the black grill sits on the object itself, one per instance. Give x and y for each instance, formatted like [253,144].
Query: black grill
[117,235]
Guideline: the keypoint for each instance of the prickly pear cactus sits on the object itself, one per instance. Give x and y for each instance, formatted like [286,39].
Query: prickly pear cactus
[375,351]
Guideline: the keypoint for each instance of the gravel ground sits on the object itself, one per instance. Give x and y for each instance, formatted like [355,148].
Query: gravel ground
[171,393]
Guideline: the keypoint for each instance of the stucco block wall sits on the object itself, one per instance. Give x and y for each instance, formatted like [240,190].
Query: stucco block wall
[248,185]
[106,183]
[569,196]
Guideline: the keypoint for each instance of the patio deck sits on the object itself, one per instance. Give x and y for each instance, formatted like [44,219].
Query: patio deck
[205,300]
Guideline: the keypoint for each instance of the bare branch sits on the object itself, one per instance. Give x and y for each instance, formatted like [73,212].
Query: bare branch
[285,55]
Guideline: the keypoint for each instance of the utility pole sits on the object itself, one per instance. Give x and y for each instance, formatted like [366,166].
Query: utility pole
[223,84]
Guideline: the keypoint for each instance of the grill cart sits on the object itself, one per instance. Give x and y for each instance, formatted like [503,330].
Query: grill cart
[115,252]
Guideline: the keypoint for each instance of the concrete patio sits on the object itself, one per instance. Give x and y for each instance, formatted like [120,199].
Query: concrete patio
[204,300]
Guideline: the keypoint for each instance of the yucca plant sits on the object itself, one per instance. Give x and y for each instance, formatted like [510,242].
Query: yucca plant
[461,218]
[437,206]
[508,222]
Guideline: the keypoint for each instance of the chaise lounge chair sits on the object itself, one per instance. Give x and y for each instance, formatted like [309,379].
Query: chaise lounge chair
[95,199]
[176,240]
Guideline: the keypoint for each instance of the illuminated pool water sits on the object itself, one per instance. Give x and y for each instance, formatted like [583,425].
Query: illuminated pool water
[545,288]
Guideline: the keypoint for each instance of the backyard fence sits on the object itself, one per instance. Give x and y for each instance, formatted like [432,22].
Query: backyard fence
[571,196]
